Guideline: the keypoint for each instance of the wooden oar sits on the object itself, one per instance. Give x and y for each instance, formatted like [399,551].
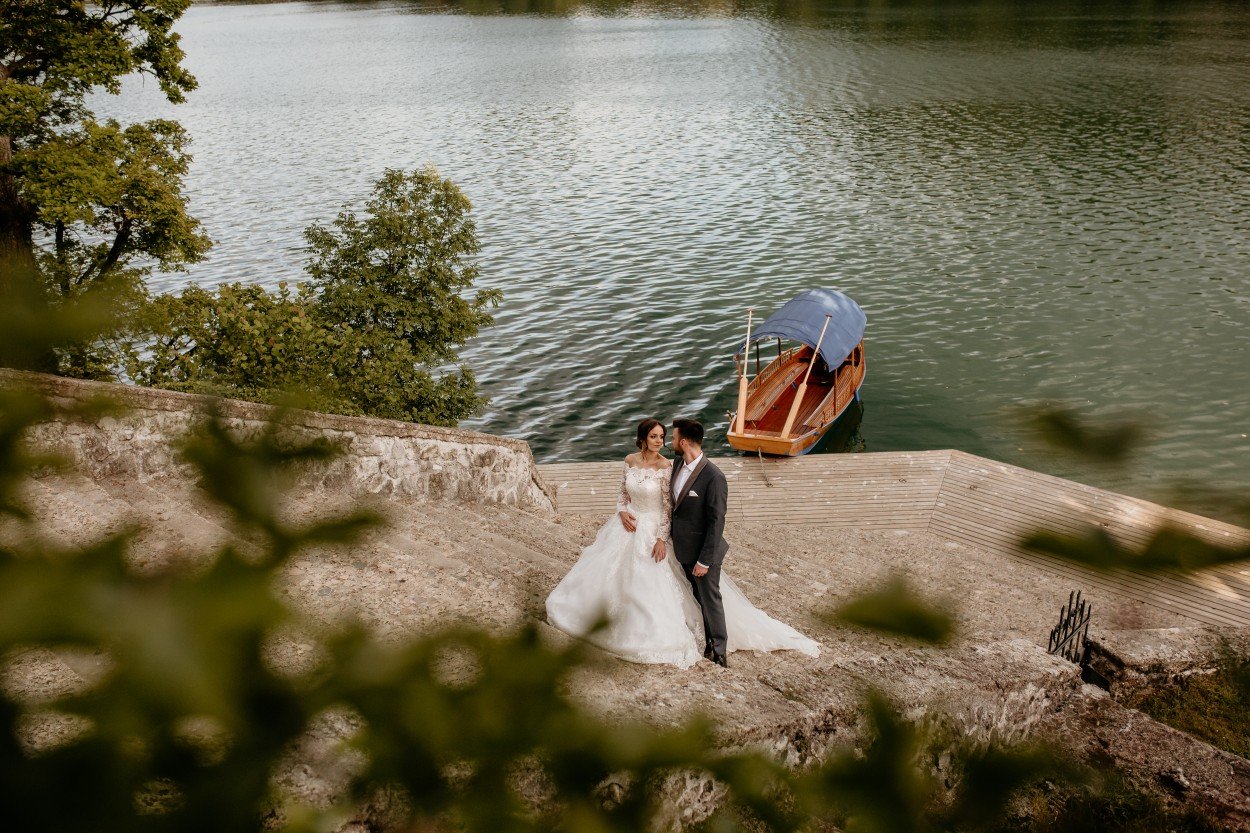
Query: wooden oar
[798,397]
[742,381]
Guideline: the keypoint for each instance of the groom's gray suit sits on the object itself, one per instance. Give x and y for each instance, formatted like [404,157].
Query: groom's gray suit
[698,527]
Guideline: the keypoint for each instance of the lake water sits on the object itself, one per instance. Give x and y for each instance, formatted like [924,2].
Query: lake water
[1032,202]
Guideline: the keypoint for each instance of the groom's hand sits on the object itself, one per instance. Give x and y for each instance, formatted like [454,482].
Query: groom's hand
[699,571]
[659,552]
[628,520]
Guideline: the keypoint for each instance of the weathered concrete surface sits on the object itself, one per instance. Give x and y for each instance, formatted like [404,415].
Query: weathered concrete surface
[440,562]
[1155,758]
[1134,660]
[399,459]
[494,565]
[491,554]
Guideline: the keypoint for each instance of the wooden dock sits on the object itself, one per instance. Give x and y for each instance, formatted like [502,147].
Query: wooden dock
[961,497]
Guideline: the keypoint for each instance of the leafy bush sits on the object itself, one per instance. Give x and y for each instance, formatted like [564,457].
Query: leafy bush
[240,339]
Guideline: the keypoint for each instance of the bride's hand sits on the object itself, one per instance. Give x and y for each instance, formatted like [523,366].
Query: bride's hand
[659,552]
[628,520]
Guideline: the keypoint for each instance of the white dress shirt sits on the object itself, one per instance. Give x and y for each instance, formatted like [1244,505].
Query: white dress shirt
[683,474]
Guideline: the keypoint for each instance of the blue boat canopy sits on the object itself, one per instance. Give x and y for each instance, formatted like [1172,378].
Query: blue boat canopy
[803,315]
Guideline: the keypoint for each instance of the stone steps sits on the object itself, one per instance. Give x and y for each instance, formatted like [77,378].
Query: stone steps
[75,511]
[173,526]
[200,529]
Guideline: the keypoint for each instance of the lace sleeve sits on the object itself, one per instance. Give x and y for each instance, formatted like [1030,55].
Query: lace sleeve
[622,498]
[666,496]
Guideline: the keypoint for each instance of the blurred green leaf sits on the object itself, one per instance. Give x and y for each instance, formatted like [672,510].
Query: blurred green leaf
[897,610]
[247,476]
[19,410]
[1168,549]
[992,776]
[35,327]
[1063,428]
[1205,499]
[882,789]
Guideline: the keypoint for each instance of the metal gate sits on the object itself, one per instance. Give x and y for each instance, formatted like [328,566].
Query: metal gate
[1069,639]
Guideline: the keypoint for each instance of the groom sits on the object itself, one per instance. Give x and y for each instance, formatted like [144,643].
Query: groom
[700,495]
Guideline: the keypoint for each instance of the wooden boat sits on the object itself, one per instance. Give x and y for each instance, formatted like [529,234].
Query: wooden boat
[799,395]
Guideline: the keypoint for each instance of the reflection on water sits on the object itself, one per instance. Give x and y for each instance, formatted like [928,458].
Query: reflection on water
[843,436]
[1030,201]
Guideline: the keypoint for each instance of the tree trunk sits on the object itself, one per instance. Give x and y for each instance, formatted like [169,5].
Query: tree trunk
[19,277]
[17,251]
[119,245]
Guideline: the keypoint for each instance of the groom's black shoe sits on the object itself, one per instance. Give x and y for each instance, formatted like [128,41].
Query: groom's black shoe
[708,650]
[719,659]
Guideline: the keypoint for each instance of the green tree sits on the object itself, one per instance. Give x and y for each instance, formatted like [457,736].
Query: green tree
[375,331]
[90,206]
[391,288]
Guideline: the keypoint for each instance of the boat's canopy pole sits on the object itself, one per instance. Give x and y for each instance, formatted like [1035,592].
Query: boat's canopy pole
[802,391]
[741,421]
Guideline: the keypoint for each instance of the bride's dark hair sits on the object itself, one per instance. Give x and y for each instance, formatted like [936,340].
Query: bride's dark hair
[644,428]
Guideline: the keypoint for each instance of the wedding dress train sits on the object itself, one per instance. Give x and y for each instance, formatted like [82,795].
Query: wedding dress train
[651,613]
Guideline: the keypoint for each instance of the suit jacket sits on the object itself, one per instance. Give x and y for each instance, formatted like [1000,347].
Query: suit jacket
[698,523]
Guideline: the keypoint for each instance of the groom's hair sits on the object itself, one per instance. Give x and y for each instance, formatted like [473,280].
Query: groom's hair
[690,429]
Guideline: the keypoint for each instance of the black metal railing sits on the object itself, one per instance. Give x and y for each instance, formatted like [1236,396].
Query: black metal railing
[1070,638]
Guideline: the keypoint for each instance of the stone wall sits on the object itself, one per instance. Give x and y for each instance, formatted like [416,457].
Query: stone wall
[398,459]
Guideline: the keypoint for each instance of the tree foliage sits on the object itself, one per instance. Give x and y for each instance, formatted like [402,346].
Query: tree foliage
[896,609]
[391,289]
[90,205]
[1168,548]
[400,270]
[375,331]
[239,340]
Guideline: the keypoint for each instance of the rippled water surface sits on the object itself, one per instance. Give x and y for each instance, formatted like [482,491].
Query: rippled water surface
[1031,201]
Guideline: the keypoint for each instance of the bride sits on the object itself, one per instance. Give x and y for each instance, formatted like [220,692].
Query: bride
[629,576]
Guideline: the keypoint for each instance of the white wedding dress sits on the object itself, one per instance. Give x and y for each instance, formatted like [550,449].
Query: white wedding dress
[651,612]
